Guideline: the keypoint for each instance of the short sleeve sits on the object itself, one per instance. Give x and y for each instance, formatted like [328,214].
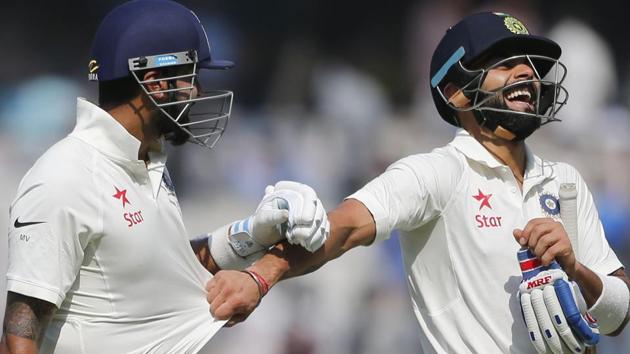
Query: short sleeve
[51,222]
[411,192]
[593,249]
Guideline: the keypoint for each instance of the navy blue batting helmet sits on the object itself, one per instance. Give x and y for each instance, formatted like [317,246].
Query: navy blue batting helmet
[479,35]
[144,28]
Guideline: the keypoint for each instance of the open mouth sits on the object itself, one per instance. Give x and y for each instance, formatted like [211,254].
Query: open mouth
[520,97]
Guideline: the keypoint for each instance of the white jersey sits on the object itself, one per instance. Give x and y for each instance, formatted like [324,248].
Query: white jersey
[456,208]
[99,233]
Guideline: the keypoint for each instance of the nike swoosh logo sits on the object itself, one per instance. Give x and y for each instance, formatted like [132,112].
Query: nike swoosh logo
[18,224]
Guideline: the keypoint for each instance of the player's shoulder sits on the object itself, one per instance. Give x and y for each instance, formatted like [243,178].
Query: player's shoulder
[65,164]
[441,160]
[563,172]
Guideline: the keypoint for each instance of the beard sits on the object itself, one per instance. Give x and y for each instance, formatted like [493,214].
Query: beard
[521,125]
[171,131]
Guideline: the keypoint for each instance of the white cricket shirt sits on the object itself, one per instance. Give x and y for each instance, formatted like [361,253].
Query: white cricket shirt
[99,233]
[456,208]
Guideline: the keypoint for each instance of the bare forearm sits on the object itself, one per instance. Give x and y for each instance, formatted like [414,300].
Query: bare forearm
[202,251]
[20,345]
[590,284]
[351,226]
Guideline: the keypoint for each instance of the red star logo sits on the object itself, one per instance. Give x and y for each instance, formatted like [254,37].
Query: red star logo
[121,194]
[483,198]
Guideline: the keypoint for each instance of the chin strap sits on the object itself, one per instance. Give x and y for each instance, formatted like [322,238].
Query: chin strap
[459,99]
[493,126]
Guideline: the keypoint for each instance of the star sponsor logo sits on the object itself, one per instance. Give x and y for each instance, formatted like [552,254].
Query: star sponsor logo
[122,196]
[482,220]
[134,218]
[483,198]
[131,218]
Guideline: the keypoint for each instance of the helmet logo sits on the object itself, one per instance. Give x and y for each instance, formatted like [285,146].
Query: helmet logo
[92,70]
[166,60]
[515,26]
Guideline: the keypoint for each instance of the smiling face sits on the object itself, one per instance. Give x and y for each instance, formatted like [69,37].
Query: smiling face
[515,84]
[509,101]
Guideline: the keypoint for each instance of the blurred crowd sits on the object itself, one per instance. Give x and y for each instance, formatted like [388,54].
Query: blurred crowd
[327,93]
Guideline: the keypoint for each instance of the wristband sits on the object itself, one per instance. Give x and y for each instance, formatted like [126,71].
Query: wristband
[611,309]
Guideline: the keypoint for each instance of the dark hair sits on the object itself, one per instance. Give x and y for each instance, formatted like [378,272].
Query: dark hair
[116,92]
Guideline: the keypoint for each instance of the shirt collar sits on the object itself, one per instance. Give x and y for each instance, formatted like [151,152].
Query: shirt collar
[99,129]
[472,149]
[536,169]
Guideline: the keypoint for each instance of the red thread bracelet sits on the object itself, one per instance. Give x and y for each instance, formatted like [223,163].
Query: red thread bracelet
[263,282]
[263,286]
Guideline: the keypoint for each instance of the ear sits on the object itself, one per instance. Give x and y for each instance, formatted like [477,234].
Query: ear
[154,86]
[455,96]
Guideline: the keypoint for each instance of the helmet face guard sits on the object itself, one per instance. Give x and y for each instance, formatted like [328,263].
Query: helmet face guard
[203,117]
[544,92]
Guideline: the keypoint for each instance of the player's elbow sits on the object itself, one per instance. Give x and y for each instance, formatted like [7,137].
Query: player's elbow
[351,225]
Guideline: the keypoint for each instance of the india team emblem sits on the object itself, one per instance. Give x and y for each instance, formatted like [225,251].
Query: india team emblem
[550,204]
[515,26]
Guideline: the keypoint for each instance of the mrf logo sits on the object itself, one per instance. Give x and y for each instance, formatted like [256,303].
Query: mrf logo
[483,220]
[132,218]
[539,282]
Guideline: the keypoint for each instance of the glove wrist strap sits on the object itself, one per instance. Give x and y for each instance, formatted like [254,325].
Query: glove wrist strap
[241,239]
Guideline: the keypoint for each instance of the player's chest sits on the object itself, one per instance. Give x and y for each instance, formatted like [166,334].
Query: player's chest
[488,208]
[138,214]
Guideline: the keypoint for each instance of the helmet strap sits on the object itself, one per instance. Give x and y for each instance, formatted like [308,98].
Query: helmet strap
[493,126]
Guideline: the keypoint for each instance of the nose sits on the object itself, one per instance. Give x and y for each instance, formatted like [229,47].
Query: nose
[523,71]
[196,89]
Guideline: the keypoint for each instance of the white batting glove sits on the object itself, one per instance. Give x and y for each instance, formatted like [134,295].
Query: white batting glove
[553,308]
[308,224]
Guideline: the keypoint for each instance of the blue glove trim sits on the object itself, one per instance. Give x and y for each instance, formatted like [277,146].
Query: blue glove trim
[572,313]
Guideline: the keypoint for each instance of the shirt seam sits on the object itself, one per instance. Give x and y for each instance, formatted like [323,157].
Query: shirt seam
[464,172]
[101,215]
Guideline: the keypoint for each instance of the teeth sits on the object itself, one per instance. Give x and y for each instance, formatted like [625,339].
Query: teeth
[517,93]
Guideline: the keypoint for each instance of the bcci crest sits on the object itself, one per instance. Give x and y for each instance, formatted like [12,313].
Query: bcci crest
[550,205]
[515,26]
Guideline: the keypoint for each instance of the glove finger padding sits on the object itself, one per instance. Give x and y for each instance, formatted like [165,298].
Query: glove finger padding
[304,201]
[559,321]
[549,307]
[587,332]
[319,231]
[535,336]
[308,224]
[265,220]
[313,236]
[544,321]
